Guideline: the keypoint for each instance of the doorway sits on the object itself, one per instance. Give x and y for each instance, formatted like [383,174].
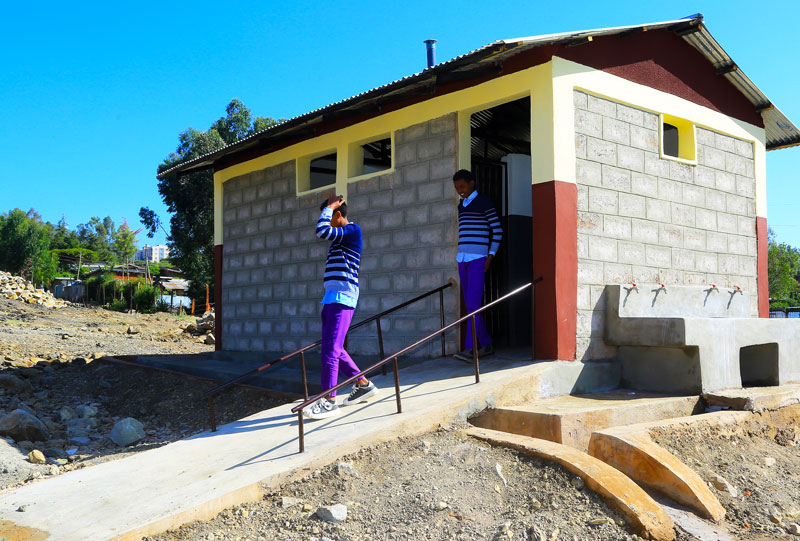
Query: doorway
[501,150]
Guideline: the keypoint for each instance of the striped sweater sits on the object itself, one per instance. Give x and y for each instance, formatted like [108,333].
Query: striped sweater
[344,255]
[479,230]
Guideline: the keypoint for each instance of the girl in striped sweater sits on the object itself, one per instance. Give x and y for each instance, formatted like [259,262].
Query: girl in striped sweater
[339,304]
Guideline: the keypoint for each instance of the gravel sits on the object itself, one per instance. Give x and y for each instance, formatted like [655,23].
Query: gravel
[444,485]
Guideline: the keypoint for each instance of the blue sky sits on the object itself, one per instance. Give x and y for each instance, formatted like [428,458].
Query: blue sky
[94,94]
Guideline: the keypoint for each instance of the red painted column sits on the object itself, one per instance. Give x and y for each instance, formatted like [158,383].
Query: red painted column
[555,259]
[762,279]
[218,297]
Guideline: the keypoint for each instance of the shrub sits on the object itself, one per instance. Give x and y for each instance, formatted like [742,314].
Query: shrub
[118,305]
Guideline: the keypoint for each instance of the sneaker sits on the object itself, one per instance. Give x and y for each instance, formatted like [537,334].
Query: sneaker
[485,351]
[360,393]
[465,355]
[321,409]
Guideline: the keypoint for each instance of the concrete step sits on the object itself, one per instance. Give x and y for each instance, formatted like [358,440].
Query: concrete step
[755,398]
[571,420]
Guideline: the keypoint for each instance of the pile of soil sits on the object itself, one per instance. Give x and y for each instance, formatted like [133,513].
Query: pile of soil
[761,465]
[444,485]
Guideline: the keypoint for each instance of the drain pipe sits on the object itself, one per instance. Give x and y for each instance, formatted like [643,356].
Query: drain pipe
[430,45]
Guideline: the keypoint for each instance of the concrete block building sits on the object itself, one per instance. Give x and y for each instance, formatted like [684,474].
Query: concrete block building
[615,156]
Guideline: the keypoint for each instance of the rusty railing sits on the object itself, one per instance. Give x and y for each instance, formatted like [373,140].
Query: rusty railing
[302,351]
[471,316]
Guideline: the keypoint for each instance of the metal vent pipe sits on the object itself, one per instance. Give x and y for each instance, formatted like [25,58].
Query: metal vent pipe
[430,45]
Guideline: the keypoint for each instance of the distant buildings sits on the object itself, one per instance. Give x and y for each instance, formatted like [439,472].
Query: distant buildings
[154,254]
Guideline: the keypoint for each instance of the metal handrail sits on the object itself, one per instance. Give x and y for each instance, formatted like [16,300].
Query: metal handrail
[299,408]
[377,318]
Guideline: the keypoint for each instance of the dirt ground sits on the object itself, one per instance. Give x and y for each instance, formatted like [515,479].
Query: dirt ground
[443,485]
[61,373]
[761,464]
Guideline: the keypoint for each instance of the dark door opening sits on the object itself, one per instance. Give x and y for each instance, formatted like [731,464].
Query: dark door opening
[501,149]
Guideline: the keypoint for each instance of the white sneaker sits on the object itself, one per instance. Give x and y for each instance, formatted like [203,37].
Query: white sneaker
[321,409]
[360,393]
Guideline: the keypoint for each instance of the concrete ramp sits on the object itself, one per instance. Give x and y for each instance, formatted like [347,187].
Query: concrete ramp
[195,478]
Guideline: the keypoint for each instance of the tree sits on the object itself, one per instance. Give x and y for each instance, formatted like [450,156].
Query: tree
[25,246]
[125,242]
[63,237]
[190,198]
[783,262]
[98,235]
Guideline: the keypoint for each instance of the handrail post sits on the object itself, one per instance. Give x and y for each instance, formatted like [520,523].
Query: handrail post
[380,344]
[397,386]
[305,378]
[441,318]
[475,351]
[211,413]
[301,436]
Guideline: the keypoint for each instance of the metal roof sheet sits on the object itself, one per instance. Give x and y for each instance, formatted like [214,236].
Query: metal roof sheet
[780,131]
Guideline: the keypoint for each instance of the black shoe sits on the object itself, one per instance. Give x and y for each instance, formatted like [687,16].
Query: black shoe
[465,355]
[485,351]
[360,393]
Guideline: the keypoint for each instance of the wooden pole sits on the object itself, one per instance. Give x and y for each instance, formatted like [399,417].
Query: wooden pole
[208,307]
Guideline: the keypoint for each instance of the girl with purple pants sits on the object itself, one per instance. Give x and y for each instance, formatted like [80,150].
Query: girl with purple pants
[339,303]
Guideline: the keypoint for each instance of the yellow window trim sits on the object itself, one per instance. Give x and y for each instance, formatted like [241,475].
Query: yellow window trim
[687,147]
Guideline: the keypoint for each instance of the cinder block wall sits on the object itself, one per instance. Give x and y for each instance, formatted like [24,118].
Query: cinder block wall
[410,224]
[273,263]
[646,219]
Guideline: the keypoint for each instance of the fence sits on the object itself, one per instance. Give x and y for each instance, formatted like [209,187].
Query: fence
[788,312]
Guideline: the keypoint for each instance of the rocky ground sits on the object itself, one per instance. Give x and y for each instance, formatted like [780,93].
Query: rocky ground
[444,485]
[753,473]
[58,398]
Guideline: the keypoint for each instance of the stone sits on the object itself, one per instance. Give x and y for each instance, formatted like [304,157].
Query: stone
[86,411]
[36,457]
[15,384]
[332,513]
[127,432]
[132,330]
[22,425]
[209,340]
[577,482]
[79,440]
[769,461]
[722,484]
[498,469]
[441,506]
[346,469]
[794,529]
[287,502]
[307,507]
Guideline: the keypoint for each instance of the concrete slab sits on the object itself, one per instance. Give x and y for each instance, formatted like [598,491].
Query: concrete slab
[195,478]
[631,451]
[756,398]
[572,419]
[645,516]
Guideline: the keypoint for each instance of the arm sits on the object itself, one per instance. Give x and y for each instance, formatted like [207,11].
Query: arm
[497,234]
[324,228]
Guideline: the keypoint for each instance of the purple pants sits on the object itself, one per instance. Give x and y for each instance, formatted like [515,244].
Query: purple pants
[472,280]
[335,323]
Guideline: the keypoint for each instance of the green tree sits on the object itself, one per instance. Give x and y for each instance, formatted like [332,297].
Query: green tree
[63,237]
[98,235]
[125,242]
[190,198]
[783,262]
[25,246]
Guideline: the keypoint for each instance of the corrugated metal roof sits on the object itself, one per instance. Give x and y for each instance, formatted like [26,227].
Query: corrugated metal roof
[780,131]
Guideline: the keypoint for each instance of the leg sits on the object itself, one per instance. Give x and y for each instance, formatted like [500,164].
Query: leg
[335,323]
[473,299]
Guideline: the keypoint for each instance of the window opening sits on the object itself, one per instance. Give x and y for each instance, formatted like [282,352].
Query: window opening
[377,156]
[322,171]
[671,142]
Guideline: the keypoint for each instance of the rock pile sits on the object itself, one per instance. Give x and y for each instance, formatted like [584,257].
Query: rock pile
[16,287]
[203,328]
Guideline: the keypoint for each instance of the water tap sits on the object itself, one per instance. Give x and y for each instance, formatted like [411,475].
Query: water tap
[661,287]
[737,289]
[633,287]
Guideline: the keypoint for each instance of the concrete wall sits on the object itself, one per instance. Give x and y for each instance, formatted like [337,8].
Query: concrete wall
[645,219]
[273,263]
